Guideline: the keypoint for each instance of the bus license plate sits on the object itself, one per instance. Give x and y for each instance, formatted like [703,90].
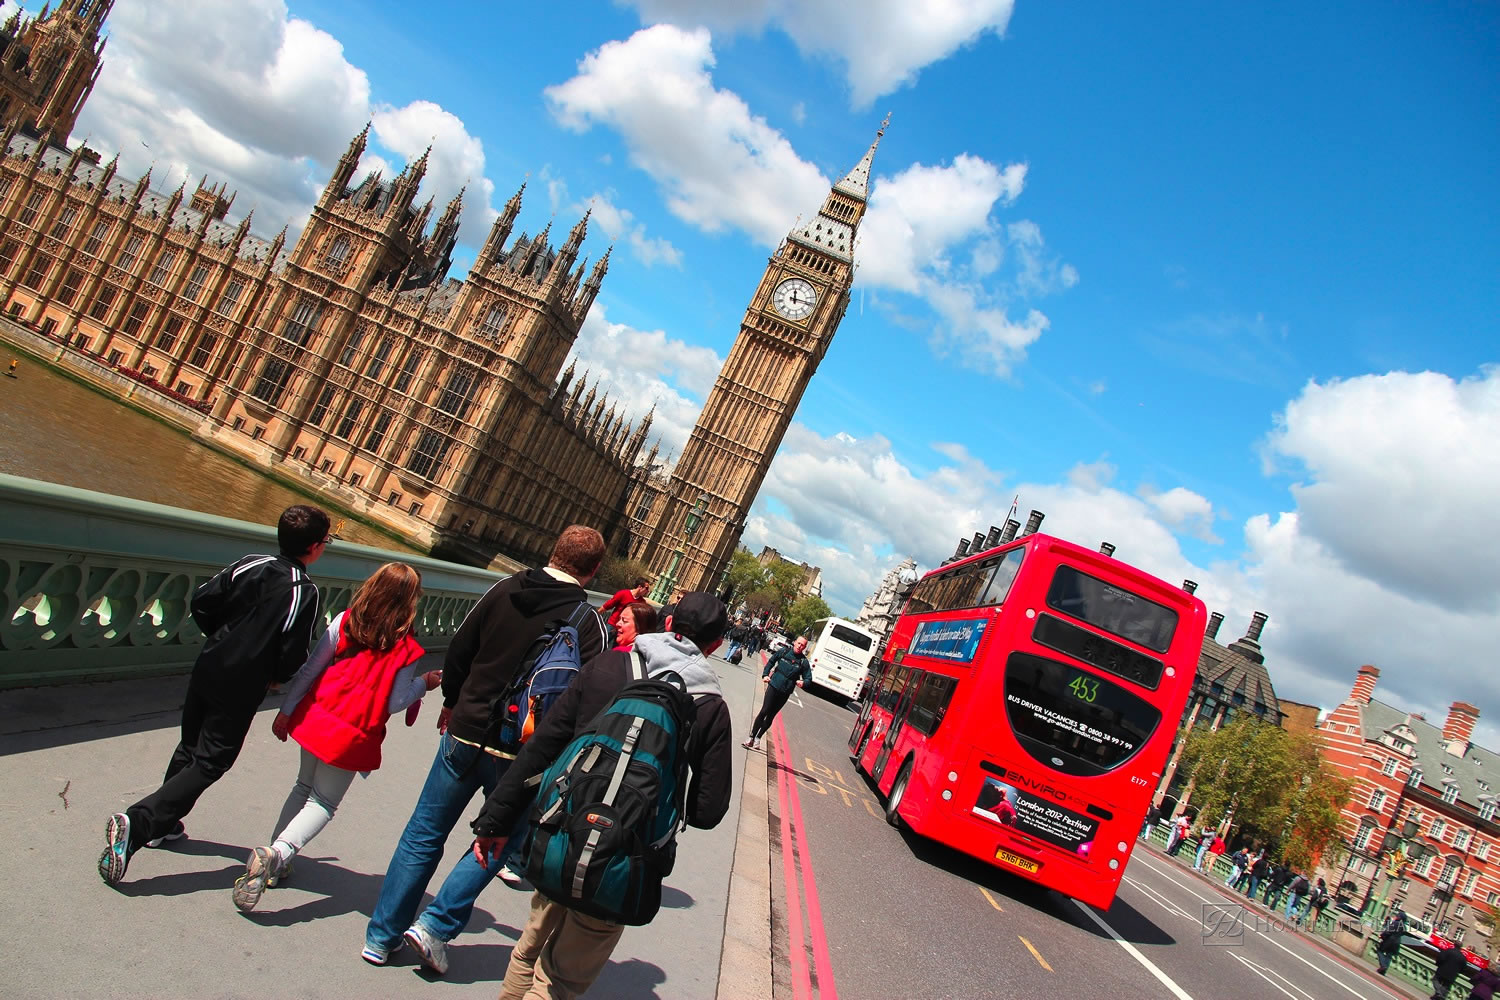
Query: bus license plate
[1016,861]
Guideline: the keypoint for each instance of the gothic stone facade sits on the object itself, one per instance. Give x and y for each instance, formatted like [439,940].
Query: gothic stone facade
[348,360]
[49,65]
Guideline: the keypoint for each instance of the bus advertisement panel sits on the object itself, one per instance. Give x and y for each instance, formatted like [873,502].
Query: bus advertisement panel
[839,653]
[1025,706]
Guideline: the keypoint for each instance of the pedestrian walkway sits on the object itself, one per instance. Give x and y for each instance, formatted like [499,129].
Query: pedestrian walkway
[69,756]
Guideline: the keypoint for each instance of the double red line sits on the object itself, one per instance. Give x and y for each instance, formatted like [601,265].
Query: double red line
[794,856]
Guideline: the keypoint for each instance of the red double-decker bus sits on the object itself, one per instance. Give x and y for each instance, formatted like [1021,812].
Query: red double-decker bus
[1025,706]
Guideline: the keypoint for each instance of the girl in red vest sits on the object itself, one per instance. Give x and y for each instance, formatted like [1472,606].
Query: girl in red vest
[363,671]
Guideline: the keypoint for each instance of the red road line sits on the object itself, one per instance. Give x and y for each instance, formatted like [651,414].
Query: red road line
[824,962]
[801,977]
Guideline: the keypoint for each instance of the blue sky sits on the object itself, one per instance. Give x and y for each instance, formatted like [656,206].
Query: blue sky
[1215,284]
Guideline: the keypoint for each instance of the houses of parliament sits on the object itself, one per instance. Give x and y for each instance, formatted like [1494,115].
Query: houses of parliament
[351,364]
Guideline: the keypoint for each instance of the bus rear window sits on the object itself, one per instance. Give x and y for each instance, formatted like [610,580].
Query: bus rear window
[850,636]
[1071,720]
[1114,609]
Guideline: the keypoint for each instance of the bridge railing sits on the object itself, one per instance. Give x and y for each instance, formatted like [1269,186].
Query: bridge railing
[96,587]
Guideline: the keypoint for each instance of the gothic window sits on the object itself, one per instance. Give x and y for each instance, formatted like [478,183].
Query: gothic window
[195,282]
[458,393]
[408,371]
[352,347]
[69,289]
[163,267]
[351,416]
[36,274]
[272,381]
[64,224]
[169,332]
[494,320]
[320,408]
[427,456]
[377,432]
[137,318]
[102,302]
[31,208]
[7,256]
[382,354]
[132,250]
[338,254]
[230,298]
[204,350]
[6,180]
[300,324]
[95,242]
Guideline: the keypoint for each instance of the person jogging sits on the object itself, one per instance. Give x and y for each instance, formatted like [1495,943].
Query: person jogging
[785,669]
[257,615]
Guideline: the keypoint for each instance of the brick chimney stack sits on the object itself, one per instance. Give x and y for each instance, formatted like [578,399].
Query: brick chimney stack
[1214,621]
[1458,729]
[1033,522]
[1364,684]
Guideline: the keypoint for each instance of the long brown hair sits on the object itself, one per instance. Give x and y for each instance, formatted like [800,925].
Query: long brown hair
[384,607]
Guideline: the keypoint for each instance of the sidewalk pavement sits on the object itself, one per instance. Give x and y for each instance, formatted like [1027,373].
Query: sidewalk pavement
[1277,913]
[70,756]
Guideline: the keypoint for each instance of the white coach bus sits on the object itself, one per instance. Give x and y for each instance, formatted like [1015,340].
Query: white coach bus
[839,652]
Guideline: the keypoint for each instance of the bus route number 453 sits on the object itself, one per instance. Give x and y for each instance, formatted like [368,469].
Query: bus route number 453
[1084,688]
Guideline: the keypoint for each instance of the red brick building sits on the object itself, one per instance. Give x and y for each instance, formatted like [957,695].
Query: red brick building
[1409,769]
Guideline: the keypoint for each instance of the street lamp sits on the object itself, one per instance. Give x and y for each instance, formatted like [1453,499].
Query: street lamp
[668,580]
[1404,848]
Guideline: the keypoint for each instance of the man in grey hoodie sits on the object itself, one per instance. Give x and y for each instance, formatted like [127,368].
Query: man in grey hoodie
[561,951]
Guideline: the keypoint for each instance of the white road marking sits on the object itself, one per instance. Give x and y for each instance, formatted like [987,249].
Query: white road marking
[1159,899]
[1259,971]
[1342,985]
[797,701]
[1134,952]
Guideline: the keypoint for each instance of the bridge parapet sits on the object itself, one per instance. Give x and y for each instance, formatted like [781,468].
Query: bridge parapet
[96,587]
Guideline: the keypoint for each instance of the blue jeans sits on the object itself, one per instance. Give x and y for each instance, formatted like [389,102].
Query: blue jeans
[458,771]
[449,913]
[732,647]
[1294,900]
[1198,861]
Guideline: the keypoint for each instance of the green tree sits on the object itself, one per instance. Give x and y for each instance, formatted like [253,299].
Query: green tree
[746,575]
[764,600]
[805,611]
[617,573]
[1277,784]
[787,579]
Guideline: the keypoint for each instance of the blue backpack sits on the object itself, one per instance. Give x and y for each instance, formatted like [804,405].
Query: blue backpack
[608,809]
[548,668]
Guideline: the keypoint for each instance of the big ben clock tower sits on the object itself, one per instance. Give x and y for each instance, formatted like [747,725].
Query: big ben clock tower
[786,331]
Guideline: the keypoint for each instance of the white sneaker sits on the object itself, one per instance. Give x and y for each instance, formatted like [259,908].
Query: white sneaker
[177,832]
[511,877]
[432,950]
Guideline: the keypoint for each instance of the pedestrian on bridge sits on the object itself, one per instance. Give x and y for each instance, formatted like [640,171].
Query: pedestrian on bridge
[786,669]
[363,671]
[486,653]
[257,615]
[564,947]
[1451,963]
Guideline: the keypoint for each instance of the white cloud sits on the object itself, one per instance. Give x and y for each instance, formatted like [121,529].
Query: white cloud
[799,112]
[1182,508]
[883,45]
[640,369]
[619,223]
[929,231]
[249,94]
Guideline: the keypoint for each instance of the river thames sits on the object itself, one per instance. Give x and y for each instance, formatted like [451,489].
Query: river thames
[54,429]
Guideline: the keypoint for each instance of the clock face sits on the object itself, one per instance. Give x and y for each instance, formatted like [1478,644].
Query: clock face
[794,298]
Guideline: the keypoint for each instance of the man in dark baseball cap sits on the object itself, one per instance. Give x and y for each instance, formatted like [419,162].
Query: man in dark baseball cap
[561,951]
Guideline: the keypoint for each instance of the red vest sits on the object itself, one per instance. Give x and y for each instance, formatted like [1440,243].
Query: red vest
[342,722]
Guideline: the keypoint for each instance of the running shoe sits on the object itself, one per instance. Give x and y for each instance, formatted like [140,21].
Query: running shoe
[432,949]
[116,856]
[249,886]
[177,832]
[511,877]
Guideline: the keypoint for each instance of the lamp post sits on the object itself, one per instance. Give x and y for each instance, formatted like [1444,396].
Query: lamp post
[667,582]
[1404,849]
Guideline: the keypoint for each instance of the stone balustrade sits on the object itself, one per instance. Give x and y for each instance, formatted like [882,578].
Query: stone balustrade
[96,587]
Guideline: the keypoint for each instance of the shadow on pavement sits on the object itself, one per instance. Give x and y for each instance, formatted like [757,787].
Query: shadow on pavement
[675,899]
[1127,922]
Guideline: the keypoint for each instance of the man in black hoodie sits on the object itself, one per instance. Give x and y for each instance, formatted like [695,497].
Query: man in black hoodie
[480,664]
[561,952]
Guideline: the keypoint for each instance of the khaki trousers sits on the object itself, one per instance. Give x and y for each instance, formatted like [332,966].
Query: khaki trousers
[559,954]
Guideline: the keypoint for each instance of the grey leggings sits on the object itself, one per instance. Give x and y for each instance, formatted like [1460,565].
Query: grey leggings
[315,797]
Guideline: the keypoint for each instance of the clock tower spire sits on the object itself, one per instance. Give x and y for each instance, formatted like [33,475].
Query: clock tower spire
[690,533]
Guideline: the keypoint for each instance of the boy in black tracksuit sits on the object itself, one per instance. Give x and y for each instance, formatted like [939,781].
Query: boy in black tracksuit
[561,948]
[258,616]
